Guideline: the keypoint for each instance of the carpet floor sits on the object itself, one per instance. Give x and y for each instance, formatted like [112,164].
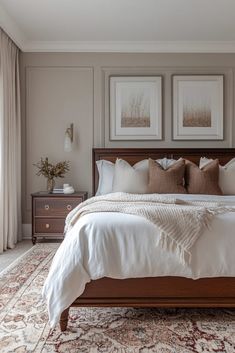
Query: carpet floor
[24,322]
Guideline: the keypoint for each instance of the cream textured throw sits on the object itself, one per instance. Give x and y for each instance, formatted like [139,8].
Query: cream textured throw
[180,222]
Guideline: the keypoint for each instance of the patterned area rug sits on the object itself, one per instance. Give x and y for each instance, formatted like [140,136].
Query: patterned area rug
[24,321]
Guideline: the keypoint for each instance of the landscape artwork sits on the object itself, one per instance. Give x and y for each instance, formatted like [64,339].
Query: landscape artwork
[135,108]
[198,107]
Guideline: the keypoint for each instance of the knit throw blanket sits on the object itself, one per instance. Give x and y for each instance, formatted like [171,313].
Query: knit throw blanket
[179,222]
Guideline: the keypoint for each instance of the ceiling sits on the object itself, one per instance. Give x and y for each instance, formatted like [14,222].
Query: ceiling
[120,25]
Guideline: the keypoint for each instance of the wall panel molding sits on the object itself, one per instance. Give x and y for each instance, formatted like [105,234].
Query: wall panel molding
[90,87]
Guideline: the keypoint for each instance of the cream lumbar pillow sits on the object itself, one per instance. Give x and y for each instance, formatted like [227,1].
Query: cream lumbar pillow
[226,175]
[130,179]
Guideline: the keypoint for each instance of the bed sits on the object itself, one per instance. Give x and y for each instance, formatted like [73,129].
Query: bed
[159,291]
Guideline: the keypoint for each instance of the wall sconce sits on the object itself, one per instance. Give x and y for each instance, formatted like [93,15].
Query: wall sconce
[68,139]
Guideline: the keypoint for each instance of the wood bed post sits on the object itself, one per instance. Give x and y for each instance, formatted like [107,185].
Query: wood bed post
[64,319]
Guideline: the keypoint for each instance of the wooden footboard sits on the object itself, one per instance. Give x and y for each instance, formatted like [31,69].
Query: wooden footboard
[157,292]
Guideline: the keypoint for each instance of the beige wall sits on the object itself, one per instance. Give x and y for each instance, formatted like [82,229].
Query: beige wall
[60,88]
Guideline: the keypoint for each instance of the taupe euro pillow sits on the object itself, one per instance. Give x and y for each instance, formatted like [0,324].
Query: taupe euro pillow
[203,180]
[226,175]
[166,181]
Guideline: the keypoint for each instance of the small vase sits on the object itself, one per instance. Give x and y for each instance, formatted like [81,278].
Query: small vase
[50,185]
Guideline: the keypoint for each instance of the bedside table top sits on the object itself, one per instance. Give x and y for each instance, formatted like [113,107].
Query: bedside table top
[47,194]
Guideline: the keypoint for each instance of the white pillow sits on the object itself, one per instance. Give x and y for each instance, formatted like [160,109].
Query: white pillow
[130,179]
[226,175]
[166,163]
[106,173]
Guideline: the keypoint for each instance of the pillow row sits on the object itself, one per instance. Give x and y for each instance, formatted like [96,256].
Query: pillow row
[127,178]
[166,176]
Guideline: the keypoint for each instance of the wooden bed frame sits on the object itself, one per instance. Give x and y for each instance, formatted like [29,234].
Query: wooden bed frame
[156,291]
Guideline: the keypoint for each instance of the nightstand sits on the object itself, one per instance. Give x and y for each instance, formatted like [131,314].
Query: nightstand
[49,212]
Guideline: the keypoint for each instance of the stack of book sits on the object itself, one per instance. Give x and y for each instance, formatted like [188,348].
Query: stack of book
[58,191]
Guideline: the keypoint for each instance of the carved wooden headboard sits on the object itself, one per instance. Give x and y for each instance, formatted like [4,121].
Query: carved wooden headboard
[134,155]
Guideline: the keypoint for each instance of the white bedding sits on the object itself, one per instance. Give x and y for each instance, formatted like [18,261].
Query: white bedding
[124,246]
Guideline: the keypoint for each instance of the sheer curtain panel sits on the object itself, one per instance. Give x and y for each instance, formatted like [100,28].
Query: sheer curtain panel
[10,144]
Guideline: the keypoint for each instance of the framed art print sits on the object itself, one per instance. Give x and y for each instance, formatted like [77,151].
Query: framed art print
[198,107]
[136,108]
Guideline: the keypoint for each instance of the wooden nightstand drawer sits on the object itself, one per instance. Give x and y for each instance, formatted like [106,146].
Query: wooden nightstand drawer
[50,225]
[54,207]
[49,212]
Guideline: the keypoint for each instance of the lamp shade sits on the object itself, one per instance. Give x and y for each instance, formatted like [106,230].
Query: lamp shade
[67,142]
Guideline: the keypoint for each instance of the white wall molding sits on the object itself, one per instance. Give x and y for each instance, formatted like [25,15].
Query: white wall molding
[26,45]
[132,47]
[10,27]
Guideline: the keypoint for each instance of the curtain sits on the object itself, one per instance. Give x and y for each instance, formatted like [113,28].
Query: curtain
[10,144]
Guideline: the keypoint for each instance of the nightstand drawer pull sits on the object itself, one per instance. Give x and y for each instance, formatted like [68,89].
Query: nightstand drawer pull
[69,207]
[46,207]
[47,225]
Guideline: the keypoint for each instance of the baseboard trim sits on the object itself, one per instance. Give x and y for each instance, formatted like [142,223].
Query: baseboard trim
[26,231]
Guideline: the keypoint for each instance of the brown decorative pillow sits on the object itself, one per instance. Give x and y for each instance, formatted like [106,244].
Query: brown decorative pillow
[166,181]
[204,180]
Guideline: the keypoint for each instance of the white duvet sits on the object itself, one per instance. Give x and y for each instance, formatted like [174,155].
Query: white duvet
[121,246]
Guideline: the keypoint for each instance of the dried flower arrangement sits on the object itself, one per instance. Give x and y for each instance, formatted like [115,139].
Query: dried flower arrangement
[50,171]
